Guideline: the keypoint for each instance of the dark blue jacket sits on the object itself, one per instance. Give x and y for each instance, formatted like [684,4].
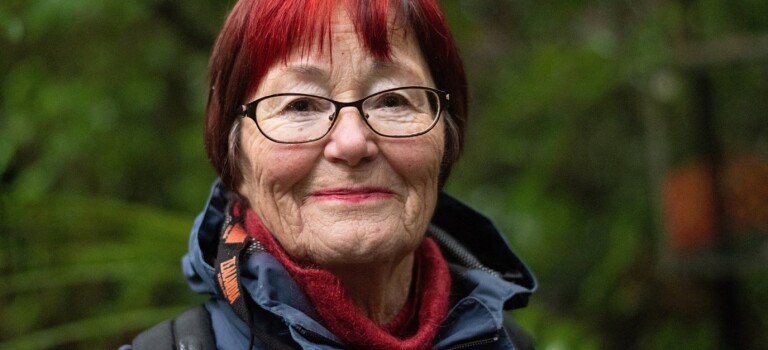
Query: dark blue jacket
[487,278]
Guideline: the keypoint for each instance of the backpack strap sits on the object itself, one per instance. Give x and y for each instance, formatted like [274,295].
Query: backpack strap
[189,331]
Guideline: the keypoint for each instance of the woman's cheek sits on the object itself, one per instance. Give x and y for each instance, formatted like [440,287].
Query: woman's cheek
[418,160]
[272,171]
[276,166]
[285,167]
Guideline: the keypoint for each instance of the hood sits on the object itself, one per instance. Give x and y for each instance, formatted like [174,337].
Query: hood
[480,247]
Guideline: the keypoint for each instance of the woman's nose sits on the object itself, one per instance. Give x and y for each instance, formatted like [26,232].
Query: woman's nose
[351,140]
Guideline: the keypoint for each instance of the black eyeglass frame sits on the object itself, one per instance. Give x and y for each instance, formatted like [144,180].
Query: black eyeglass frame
[249,110]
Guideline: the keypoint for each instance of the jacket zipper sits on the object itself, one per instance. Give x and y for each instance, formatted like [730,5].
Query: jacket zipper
[459,251]
[315,337]
[474,343]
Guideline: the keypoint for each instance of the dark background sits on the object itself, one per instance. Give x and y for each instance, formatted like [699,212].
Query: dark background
[621,145]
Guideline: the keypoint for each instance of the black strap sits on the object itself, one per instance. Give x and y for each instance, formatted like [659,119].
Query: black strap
[232,247]
[189,331]
[235,246]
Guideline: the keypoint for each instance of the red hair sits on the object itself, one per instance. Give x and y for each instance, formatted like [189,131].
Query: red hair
[259,33]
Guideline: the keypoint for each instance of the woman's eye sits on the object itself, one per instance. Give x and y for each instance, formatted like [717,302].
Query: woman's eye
[299,106]
[393,100]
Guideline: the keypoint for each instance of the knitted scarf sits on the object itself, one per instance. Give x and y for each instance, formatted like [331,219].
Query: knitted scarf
[414,327]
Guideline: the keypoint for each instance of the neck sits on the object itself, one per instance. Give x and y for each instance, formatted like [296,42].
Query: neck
[379,290]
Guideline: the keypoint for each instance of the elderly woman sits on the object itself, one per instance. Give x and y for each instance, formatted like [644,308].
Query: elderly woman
[333,126]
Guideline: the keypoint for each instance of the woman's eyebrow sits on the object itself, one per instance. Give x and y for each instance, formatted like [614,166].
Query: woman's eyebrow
[383,65]
[306,70]
[402,72]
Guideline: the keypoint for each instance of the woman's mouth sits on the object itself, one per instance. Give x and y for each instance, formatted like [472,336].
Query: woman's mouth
[358,194]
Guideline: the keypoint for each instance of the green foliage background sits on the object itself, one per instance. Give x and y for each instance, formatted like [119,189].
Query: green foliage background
[578,109]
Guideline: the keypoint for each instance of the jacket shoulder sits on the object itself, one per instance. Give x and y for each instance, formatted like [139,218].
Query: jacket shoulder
[190,330]
[521,338]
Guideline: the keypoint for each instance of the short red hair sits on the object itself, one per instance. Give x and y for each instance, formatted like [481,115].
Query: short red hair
[259,33]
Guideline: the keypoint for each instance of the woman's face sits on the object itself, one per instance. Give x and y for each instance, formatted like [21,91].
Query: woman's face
[352,197]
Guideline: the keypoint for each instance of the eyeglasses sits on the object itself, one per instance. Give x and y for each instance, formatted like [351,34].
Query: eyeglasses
[297,118]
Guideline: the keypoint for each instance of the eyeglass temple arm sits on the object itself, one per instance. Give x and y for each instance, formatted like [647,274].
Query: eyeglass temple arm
[242,111]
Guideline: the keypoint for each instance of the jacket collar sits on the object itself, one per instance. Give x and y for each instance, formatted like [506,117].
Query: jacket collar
[479,237]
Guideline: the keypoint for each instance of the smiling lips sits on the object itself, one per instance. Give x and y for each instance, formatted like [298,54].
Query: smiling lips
[359,194]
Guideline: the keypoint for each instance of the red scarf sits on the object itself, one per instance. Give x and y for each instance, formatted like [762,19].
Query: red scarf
[414,327]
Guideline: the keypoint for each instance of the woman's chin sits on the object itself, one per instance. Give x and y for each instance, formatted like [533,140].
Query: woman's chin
[345,244]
